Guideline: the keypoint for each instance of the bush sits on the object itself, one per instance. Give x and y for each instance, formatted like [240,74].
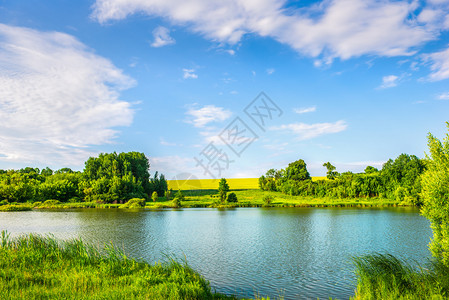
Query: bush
[267,199]
[232,197]
[178,198]
[154,196]
[4,202]
[50,203]
[134,203]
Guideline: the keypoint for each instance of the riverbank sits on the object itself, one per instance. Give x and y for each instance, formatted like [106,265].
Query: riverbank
[43,267]
[210,199]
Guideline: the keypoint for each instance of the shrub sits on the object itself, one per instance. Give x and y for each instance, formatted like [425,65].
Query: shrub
[134,203]
[154,196]
[232,197]
[267,199]
[4,202]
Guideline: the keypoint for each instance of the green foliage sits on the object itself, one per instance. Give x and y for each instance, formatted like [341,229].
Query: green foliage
[297,171]
[435,194]
[399,180]
[154,196]
[134,203]
[232,198]
[168,194]
[36,267]
[12,207]
[331,173]
[177,199]
[267,199]
[382,276]
[223,189]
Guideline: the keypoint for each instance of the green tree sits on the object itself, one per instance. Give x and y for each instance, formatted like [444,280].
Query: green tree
[178,198]
[154,196]
[232,198]
[435,195]
[331,173]
[297,171]
[223,189]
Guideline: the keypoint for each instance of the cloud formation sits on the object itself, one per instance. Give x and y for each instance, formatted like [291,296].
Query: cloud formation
[162,37]
[389,81]
[189,74]
[327,30]
[207,114]
[56,97]
[439,65]
[304,110]
[305,131]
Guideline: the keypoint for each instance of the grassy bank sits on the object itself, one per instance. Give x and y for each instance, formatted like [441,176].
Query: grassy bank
[254,198]
[209,198]
[386,277]
[33,267]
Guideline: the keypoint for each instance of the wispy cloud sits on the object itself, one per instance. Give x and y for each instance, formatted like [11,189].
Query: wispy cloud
[305,131]
[389,81]
[189,74]
[207,114]
[439,65]
[443,96]
[331,29]
[270,71]
[303,110]
[57,98]
[162,37]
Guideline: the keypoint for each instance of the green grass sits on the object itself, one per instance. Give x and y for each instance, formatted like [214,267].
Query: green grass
[15,207]
[386,277]
[254,198]
[37,267]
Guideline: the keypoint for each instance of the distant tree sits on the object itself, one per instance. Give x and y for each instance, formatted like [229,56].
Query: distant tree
[223,189]
[435,195]
[297,171]
[154,196]
[47,171]
[370,170]
[64,170]
[331,173]
[177,200]
[232,198]
[168,194]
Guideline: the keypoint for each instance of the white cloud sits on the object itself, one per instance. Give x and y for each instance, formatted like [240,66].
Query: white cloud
[389,81]
[303,110]
[308,131]
[330,29]
[56,97]
[162,37]
[443,96]
[189,74]
[230,52]
[270,71]
[172,165]
[207,114]
[439,65]
[165,143]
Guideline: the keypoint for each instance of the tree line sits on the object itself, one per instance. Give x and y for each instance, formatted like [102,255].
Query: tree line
[108,178]
[399,179]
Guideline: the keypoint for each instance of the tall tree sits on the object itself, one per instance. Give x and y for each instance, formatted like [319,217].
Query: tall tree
[435,194]
[297,171]
[223,189]
[331,173]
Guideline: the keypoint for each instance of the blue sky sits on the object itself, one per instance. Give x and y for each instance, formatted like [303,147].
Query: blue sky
[352,82]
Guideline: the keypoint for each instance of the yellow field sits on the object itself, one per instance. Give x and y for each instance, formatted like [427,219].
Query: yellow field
[212,184]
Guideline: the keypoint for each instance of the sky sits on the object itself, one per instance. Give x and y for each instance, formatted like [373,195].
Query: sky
[212,89]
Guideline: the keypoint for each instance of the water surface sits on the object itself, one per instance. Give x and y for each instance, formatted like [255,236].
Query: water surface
[298,253]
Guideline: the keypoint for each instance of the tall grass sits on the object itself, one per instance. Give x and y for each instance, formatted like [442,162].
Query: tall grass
[34,266]
[382,276]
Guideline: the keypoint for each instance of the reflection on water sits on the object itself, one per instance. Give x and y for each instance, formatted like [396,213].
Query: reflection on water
[300,253]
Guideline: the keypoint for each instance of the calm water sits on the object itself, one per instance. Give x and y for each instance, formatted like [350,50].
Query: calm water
[300,253]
